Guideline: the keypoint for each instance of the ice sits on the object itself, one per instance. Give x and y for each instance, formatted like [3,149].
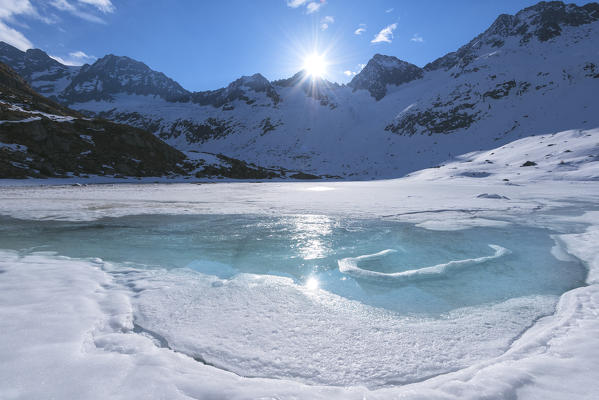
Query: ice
[350,266]
[275,296]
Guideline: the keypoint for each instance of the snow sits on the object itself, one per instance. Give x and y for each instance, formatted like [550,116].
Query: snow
[88,138]
[36,114]
[66,320]
[25,120]
[13,146]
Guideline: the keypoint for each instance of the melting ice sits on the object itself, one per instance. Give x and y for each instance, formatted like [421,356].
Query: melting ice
[317,298]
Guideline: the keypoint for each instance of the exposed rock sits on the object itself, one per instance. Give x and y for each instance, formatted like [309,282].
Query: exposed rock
[529,164]
[382,71]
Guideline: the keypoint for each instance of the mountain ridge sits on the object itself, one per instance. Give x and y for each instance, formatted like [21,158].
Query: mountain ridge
[395,117]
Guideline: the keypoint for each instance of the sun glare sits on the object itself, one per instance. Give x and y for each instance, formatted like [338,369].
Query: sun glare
[315,65]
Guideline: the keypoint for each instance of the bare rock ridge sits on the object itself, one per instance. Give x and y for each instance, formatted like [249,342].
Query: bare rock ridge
[382,71]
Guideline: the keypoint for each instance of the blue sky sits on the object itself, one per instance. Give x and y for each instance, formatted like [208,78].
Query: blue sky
[207,44]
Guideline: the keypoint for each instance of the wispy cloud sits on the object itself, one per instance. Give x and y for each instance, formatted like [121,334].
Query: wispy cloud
[103,5]
[361,29]
[12,13]
[14,37]
[9,10]
[314,6]
[75,58]
[311,5]
[417,38]
[356,72]
[390,10]
[296,3]
[385,35]
[326,22]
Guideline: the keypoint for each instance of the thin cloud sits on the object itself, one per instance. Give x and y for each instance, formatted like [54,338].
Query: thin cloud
[361,29]
[417,38]
[64,5]
[390,10]
[385,35]
[14,37]
[296,3]
[314,6]
[13,11]
[9,9]
[326,22]
[105,6]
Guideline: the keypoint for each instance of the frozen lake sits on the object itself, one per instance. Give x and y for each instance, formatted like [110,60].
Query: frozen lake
[320,290]
[316,298]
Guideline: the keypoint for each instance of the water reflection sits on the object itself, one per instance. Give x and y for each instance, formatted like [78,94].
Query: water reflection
[311,236]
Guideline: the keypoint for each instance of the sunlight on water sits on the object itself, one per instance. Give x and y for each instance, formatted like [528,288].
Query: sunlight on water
[377,262]
[310,233]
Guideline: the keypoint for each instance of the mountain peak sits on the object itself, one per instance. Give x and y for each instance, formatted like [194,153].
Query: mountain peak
[384,70]
[543,21]
[111,75]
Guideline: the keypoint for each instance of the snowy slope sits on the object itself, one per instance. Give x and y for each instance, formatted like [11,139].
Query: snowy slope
[534,72]
[84,315]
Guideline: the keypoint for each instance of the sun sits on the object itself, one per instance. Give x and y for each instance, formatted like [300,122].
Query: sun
[315,65]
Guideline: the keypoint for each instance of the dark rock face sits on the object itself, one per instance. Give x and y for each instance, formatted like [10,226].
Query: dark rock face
[435,121]
[237,169]
[111,75]
[211,128]
[382,71]
[82,147]
[542,21]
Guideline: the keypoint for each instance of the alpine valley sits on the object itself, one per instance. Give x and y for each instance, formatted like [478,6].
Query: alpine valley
[532,73]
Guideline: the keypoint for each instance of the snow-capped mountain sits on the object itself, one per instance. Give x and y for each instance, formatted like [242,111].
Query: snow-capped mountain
[382,71]
[48,76]
[533,72]
[112,75]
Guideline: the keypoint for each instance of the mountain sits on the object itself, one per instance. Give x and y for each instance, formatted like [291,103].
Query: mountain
[533,72]
[46,75]
[112,75]
[40,138]
[382,71]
